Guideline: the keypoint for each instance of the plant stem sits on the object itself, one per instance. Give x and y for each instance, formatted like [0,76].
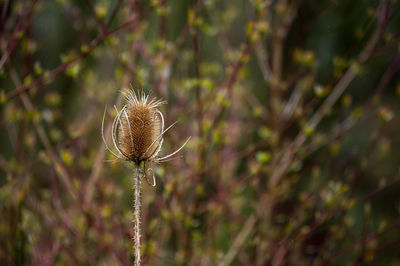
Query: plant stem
[137,217]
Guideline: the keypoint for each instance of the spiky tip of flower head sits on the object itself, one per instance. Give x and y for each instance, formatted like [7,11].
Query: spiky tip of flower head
[138,129]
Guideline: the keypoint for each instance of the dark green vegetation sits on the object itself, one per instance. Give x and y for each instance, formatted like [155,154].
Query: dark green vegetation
[293,109]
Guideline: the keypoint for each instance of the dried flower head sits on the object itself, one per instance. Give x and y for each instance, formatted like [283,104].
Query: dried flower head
[137,130]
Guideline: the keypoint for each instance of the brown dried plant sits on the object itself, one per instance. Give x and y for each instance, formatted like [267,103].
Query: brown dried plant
[137,134]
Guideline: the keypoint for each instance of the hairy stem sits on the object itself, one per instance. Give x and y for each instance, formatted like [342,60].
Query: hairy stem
[137,217]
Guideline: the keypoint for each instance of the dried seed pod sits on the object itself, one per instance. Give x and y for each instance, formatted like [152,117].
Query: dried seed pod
[138,129]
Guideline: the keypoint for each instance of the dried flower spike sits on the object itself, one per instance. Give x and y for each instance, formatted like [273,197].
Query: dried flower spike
[137,134]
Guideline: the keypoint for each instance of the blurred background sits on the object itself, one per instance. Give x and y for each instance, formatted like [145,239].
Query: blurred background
[292,105]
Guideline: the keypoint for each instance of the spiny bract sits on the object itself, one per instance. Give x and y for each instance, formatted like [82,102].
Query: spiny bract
[137,130]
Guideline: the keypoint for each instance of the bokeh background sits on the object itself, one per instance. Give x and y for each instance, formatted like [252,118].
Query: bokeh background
[292,105]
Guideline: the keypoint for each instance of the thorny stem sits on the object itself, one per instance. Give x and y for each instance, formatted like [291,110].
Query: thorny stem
[137,217]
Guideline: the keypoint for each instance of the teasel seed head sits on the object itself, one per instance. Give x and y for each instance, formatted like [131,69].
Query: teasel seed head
[138,129]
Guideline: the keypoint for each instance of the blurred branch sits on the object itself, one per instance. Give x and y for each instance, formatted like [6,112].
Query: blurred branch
[113,13]
[349,76]
[58,165]
[387,77]
[4,165]
[280,34]
[198,91]
[50,219]
[364,239]
[262,60]
[63,67]
[312,228]
[98,163]
[351,121]
[341,86]
[295,98]
[296,236]
[239,241]
[230,82]
[162,73]
[19,29]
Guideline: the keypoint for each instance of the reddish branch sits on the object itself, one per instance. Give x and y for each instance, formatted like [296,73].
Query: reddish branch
[63,67]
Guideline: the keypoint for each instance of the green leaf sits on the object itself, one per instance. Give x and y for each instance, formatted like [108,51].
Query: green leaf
[263,157]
